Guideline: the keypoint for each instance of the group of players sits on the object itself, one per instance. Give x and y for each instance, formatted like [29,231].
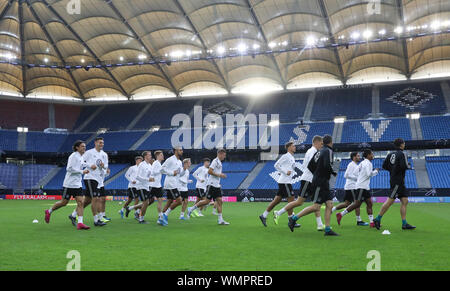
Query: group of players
[317,169]
[145,185]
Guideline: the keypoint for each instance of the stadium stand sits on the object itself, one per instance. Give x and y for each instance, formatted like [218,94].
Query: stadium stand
[8,175]
[158,140]
[71,139]
[26,114]
[115,118]
[435,127]
[66,116]
[8,140]
[57,181]
[115,141]
[44,142]
[376,130]
[341,102]
[85,113]
[438,171]
[426,98]
[33,173]
[305,133]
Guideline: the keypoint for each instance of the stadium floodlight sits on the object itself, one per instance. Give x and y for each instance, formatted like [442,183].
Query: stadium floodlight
[367,34]
[355,35]
[311,40]
[121,58]
[274,123]
[142,57]
[284,43]
[242,48]
[177,54]
[188,53]
[435,24]
[102,130]
[256,46]
[82,61]
[155,128]
[45,60]
[413,115]
[382,32]
[398,29]
[22,129]
[272,45]
[220,50]
[340,119]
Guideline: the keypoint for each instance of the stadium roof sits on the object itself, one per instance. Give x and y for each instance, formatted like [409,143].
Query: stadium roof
[118,49]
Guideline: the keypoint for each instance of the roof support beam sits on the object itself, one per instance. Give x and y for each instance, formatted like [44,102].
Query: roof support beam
[332,39]
[22,51]
[188,19]
[404,45]
[138,38]
[86,47]
[2,14]
[266,42]
[55,48]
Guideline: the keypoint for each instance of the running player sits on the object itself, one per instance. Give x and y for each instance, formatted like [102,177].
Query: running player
[305,184]
[173,169]
[101,189]
[351,176]
[362,186]
[97,161]
[322,168]
[286,167]
[143,186]
[213,189]
[72,184]
[201,175]
[397,164]
[130,175]
[156,189]
[183,187]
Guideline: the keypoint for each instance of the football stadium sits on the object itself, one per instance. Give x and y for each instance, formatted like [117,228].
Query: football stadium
[224,135]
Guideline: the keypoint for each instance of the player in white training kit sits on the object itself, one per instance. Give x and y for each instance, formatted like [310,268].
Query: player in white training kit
[305,185]
[97,162]
[130,175]
[144,179]
[72,184]
[156,189]
[362,193]
[183,182]
[173,169]
[351,176]
[213,188]
[201,175]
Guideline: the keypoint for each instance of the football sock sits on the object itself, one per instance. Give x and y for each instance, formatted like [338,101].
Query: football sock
[265,214]
[294,217]
[344,212]
[80,219]
[371,218]
[358,218]
[378,218]
[327,229]
[168,212]
[220,217]
[74,213]
[404,222]
[50,210]
[281,211]
[333,209]
[96,218]
[319,221]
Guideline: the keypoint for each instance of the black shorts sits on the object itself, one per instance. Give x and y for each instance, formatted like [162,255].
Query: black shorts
[184,195]
[172,194]
[101,192]
[71,192]
[132,193]
[398,191]
[350,195]
[213,192]
[143,194]
[156,192]
[305,189]
[91,188]
[200,192]
[321,193]
[362,195]
[285,190]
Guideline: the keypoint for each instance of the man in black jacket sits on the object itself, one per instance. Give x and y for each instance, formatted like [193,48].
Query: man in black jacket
[322,168]
[397,164]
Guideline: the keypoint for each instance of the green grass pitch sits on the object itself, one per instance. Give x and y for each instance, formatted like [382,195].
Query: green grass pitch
[201,244]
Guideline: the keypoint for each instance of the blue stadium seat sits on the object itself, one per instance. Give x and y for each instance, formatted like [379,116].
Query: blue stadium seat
[8,140]
[435,127]
[44,142]
[119,141]
[33,173]
[8,175]
[438,171]
[355,132]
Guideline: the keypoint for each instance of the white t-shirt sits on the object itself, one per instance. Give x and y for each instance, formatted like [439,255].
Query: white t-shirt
[351,176]
[74,171]
[285,164]
[130,175]
[183,181]
[143,176]
[365,173]
[216,166]
[156,174]
[307,175]
[171,165]
[93,157]
[201,174]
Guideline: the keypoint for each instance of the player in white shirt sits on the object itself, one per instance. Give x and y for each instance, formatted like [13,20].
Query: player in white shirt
[97,162]
[72,184]
[201,175]
[351,176]
[183,187]
[144,178]
[213,188]
[366,172]
[156,189]
[305,185]
[173,169]
[130,175]
[286,167]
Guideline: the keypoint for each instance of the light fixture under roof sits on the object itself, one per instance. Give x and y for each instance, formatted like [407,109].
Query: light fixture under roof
[272,44]
[311,40]
[142,57]
[367,34]
[398,29]
[242,48]
[220,50]
[355,35]
[121,59]
[382,32]
[256,46]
